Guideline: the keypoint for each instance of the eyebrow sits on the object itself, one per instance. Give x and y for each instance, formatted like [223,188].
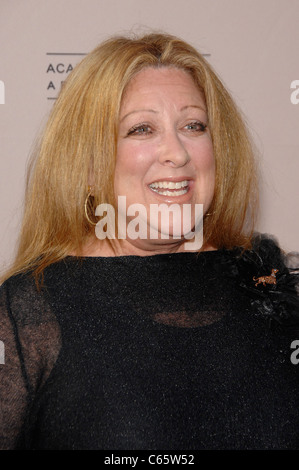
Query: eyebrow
[155,112]
[193,106]
[138,111]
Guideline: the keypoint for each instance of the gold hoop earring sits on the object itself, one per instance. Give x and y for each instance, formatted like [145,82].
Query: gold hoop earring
[86,206]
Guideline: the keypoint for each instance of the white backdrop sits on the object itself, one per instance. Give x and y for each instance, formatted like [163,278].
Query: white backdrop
[252,44]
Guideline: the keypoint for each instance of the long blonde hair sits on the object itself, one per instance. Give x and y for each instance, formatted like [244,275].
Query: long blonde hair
[80,140]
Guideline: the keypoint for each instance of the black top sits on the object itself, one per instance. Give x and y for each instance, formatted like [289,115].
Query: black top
[164,352]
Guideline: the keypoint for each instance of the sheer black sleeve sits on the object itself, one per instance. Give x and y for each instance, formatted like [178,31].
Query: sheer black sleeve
[29,346]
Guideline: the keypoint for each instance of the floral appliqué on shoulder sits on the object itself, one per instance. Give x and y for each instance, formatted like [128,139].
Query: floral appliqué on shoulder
[265,275]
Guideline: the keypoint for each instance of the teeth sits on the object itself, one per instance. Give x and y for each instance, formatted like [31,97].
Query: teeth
[172,193]
[169,184]
[178,188]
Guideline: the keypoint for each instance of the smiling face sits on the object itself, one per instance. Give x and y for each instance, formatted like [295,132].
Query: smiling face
[164,152]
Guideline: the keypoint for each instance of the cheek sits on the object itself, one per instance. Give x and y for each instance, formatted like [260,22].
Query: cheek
[124,159]
[132,163]
[133,160]
[204,158]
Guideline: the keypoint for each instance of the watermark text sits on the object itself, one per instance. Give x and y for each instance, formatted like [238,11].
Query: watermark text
[295,354]
[2,353]
[2,92]
[164,221]
[295,94]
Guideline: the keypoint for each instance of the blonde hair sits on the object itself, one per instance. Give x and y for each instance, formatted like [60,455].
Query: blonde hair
[80,140]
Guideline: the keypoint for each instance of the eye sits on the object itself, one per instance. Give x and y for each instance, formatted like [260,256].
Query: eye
[196,126]
[140,129]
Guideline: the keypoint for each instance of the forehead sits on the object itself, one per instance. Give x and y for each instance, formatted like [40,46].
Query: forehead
[170,80]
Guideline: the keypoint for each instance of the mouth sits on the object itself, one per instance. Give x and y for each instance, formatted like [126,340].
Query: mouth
[170,188]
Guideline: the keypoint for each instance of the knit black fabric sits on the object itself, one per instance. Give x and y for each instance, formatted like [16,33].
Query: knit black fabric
[164,352]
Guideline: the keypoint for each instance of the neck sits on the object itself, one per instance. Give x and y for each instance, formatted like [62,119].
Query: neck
[103,248]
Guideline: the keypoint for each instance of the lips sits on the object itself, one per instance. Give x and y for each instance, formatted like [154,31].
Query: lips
[170,188]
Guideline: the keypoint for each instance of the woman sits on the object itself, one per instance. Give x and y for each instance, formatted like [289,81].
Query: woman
[120,333]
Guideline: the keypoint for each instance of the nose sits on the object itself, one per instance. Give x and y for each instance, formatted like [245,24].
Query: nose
[172,151]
